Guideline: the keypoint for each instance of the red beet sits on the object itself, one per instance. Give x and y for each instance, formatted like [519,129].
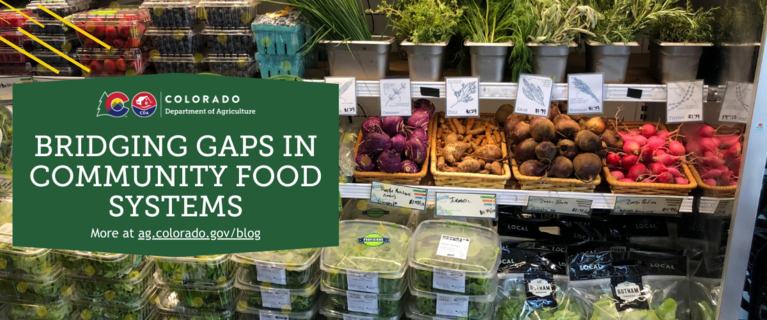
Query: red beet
[631,147]
[657,168]
[617,175]
[676,148]
[648,130]
[665,178]
[629,161]
[680,180]
[637,171]
[613,160]
[706,131]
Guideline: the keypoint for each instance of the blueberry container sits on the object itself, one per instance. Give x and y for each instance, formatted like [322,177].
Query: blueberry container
[249,312]
[450,306]
[227,14]
[65,43]
[365,210]
[112,63]
[14,19]
[289,268]
[200,297]
[228,41]
[62,8]
[22,261]
[54,59]
[266,295]
[336,315]
[15,37]
[124,289]
[203,270]
[173,14]
[40,70]
[242,65]
[178,41]
[36,289]
[51,27]
[273,65]
[19,310]
[280,34]
[135,310]
[382,305]
[186,63]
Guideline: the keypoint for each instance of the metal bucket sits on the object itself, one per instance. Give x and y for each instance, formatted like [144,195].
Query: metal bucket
[610,59]
[365,60]
[739,62]
[550,59]
[675,61]
[425,60]
[488,60]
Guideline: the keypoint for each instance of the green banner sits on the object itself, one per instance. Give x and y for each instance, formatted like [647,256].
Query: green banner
[175,165]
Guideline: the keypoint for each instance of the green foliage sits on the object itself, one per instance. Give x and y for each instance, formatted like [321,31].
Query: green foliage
[423,21]
[679,29]
[6,128]
[386,308]
[474,286]
[107,265]
[385,285]
[35,290]
[126,288]
[604,309]
[740,22]
[116,312]
[516,308]
[626,19]
[491,21]
[208,269]
[206,300]
[477,310]
[557,24]
[705,311]
[291,260]
[21,260]
[53,311]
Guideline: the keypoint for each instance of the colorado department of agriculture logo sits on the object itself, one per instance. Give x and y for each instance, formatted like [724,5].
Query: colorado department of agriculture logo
[373,240]
[375,212]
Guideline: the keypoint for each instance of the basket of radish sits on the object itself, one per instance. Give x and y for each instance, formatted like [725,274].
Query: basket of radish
[716,157]
[646,158]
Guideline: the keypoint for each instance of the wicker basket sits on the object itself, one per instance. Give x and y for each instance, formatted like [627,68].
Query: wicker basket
[395,178]
[709,191]
[467,180]
[552,184]
[650,188]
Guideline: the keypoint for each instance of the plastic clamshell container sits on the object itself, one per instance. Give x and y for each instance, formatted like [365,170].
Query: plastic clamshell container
[249,312]
[416,217]
[15,69]
[477,263]
[15,37]
[116,290]
[424,303]
[382,305]
[173,42]
[186,63]
[273,39]
[6,200]
[413,316]
[51,27]
[162,314]
[14,19]
[10,55]
[19,310]
[228,42]
[241,65]
[367,248]
[54,59]
[125,27]
[173,14]
[201,296]
[260,295]
[101,264]
[40,70]
[289,268]
[62,8]
[127,62]
[65,43]
[139,309]
[27,261]
[227,14]
[36,289]
[365,210]
[204,270]
[274,65]
[332,314]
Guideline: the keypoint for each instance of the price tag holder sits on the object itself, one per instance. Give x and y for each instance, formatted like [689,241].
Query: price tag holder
[395,97]
[272,274]
[568,206]
[647,205]
[534,95]
[467,205]
[684,101]
[398,196]
[736,106]
[585,93]
[347,94]
[724,207]
[462,97]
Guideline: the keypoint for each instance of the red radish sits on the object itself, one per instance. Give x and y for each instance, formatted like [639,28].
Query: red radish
[646,154]
[712,174]
[676,148]
[635,132]
[674,172]
[709,144]
[710,182]
[625,136]
[666,159]
[725,180]
[648,130]
[626,180]
[734,183]
[613,160]
[665,178]
[680,180]
[734,165]
[655,142]
[735,149]
[647,181]
[657,153]
[726,141]
[663,134]
[657,168]
[713,161]
[706,131]
[637,171]
[629,161]
[693,146]
[631,147]
[617,175]
[640,139]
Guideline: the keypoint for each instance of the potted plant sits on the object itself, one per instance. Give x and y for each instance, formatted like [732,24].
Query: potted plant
[426,27]
[487,30]
[739,36]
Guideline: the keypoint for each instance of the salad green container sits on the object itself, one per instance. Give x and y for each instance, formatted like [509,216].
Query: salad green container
[168,309]
[430,214]
[290,268]
[206,270]
[450,306]
[249,312]
[27,261]
[382,305]
[200,297]
[136,310]
[6,208]
[370,257]
[119,290]
[365,210]
[36,289]
[92,264]
[55,310]
[454,258]
[264,295]
[332,314]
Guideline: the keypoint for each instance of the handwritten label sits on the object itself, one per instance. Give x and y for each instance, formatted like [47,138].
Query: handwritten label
[462,97]
[736,106]
[534,95]
[724,207]
[271,274]
[362,281]
[395,97]
[684,101]
[453,247]
[647,205]
[347,94]
[584,93]
[276,298]
[451,305]
[580,207]
[450,280]
[398,196]
[362,302]
[466,205]
[271,315]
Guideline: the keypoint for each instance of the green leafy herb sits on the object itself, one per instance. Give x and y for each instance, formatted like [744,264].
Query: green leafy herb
[114,312]
[35,289]
[740,22]
[427,306]
[474,286]
[604,309]
[21,260]
[705,311]
[386,308]
[50,311]
[624,20]
[107,265]
[423,21]
[124,289]
[678,29]
[557,24]
[6,144]
[297,274]
[205,299]
[516,308]
[204,269]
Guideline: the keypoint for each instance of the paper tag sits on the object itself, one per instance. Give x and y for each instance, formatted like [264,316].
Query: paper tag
[451,305]
[645,205]
[362,281]
[466,205]
[347,95]
[628,291]
[736,106]
[724,207]
[270,315]
[362,302]
[580,207]
[6,233]
[453,247]
[684,101]
[276,298]
[398,196]
[450,280]
[272,274]
[539,288]
[462,97]
[584,93]
[355,317]
[395,97]
[533,95]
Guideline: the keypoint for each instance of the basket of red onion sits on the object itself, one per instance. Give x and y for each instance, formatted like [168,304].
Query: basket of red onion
[716,157]
[395,149]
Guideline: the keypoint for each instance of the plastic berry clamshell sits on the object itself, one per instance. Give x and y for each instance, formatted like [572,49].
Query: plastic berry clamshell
[15,37]
[289,268]
[15,20]
[382,305]
[112,63]
[241,65]
[272,296]
[201,297]
[121,28]
[24,261]
[63,42]
[186,63]
[51,27]
[61,8]
[178,41]
[54,59]
[228,42]
[227,14]
[117,290]
[173,14]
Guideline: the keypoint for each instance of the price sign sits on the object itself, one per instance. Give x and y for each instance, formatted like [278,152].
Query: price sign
[534,95]
[462,97]
[736,106]
[466,205]
[647,205]
[684,101]
[584,93]
[579,207]
[724,207]
[347,95]
[398,196]
[395,97]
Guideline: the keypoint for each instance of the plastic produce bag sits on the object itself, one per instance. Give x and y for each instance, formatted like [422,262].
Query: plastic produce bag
[706,288]
[347,139]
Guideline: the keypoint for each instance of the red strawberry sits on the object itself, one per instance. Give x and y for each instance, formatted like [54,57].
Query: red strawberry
[95,67]
[111,32]
[132,43]
[124,29]
[120,65]
[109,66]
[85,61]
[95,26]
[90,43]
[118,43]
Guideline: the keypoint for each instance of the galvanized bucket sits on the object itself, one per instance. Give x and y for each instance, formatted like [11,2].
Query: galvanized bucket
[739,62]
[675,61]
[610,59]
[488,60]
[551,59]
[365,60]
[425,60]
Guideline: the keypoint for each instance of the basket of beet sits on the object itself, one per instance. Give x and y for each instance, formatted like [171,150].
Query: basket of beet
[395,149]
[716,157]
[469,152]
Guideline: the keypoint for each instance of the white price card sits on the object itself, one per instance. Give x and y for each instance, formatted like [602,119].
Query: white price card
[462,97]
[449,280]
[647,205]
[362,281]
[571,206]
[362,302]
[347,94]
[395,97]
[534,95]
[272,274]
[453,247]
[466,205]
[276,298]
[584,93]
[398,196]
[736,106]
[452,305]
[724,207]
[356,317]
[684,101]
[271,315]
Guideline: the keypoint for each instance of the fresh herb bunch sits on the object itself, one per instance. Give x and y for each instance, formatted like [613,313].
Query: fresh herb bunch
[560,22]
[37,290]
[386,308]
[205,269]
[488,21]
[21,260]
[114,312]
[737,23]
[124,289]
[54,311]
[297,302]
[678,29]
[625,20]
[477,310]
[291,260]
[516,308]
[107,265]
[474,286]
[423,21]
[206,299]
[6,145]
